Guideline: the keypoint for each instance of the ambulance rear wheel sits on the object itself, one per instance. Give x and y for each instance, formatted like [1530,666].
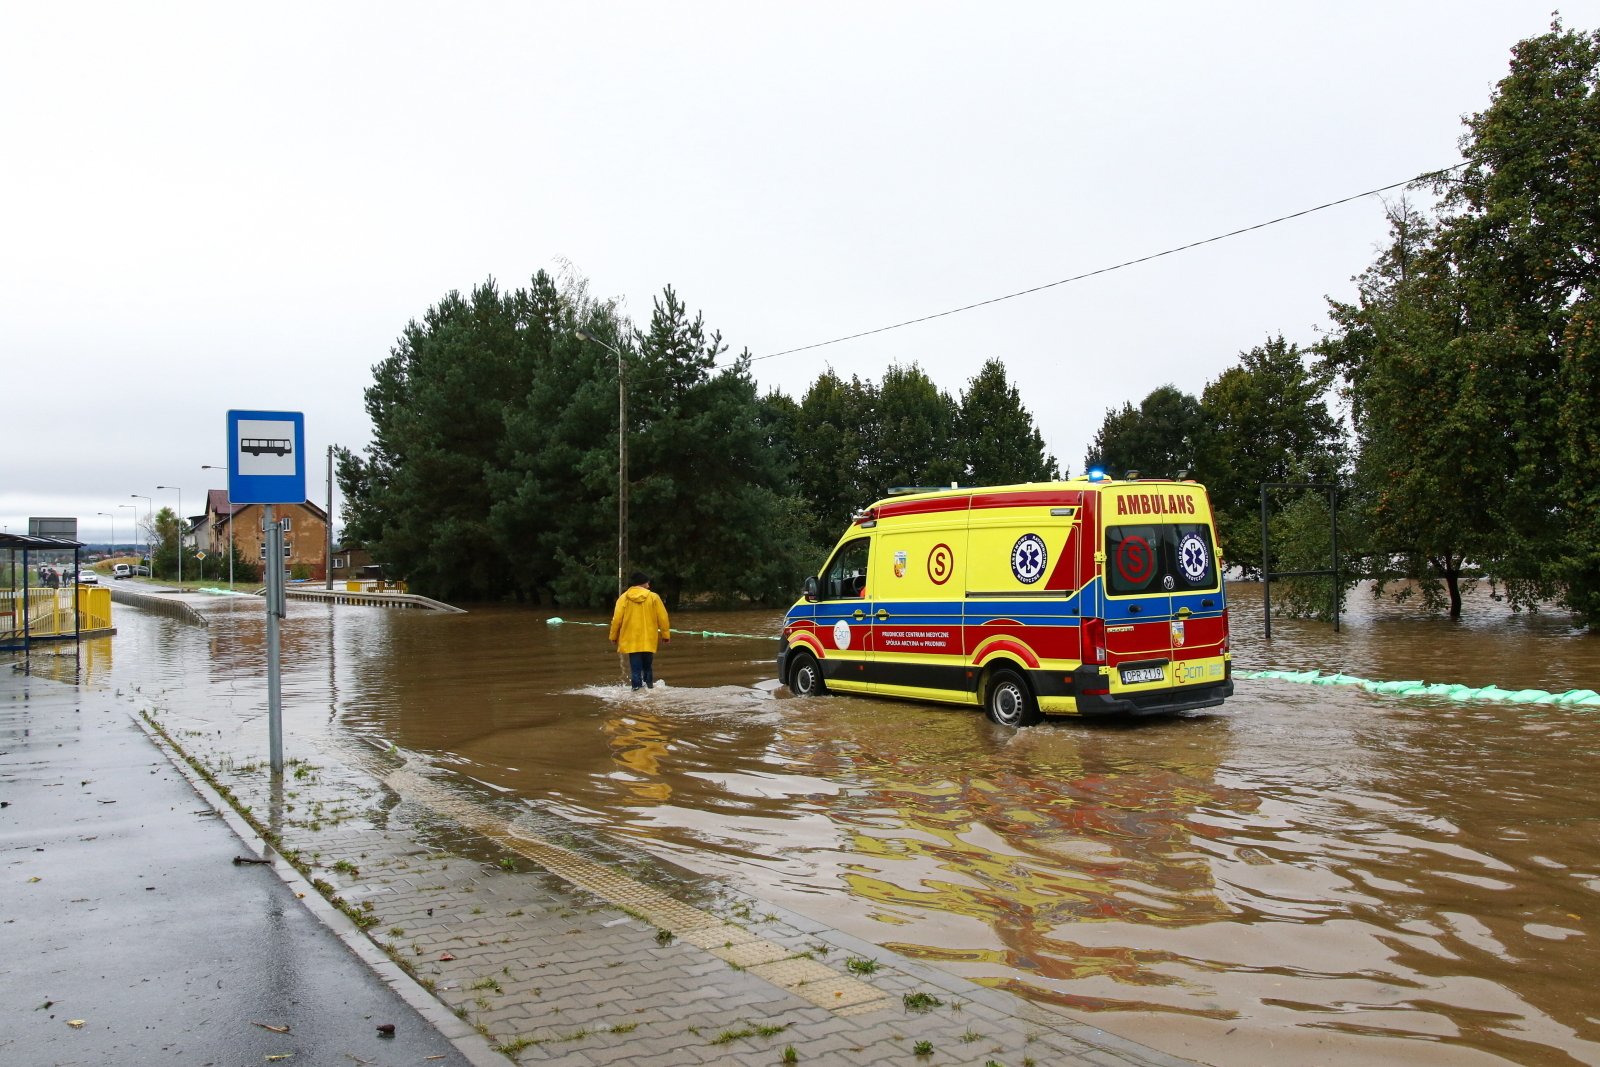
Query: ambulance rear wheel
[805,677]
[1008,701]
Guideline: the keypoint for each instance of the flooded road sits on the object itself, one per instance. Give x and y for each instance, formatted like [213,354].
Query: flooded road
[1312,875]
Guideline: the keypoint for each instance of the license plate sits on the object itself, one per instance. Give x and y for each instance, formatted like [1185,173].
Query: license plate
[1135,675]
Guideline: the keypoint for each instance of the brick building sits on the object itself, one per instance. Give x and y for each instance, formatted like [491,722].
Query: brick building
[305,533]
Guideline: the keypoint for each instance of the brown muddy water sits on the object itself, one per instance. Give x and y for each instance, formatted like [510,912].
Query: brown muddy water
[1310,875]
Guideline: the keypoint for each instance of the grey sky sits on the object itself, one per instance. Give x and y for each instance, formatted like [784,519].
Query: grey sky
[210,206]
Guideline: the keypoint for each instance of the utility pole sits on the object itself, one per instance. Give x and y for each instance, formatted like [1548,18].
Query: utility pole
[327,555]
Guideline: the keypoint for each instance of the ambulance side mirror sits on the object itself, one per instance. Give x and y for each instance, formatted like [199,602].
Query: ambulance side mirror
[810,588]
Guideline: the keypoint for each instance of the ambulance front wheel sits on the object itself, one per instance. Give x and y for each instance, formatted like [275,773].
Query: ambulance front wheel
[805,676]
[1008,701]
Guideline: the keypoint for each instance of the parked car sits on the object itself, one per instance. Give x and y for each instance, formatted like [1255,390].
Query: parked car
[129,570]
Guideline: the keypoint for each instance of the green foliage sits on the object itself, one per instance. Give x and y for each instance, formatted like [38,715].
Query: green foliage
[709,507]
[1157,438]
[1426,419]
[833,434]
[852,441]
[1521,232]
[1577,565]
[165,526]
[494,462]
[1265,420]
[1003,446]
[913,438]
[1468,357]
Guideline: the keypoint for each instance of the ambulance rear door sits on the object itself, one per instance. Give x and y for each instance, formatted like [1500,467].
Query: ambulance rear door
[1164,610]
[1138,604]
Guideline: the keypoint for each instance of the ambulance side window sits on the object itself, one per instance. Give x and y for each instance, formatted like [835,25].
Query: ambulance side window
[845,577]
[1134,559]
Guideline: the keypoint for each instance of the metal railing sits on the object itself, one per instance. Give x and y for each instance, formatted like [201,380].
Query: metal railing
[44,612]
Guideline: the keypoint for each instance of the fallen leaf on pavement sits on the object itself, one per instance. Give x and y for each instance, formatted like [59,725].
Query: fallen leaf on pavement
[76,1024]
[442,955]
[274,1029]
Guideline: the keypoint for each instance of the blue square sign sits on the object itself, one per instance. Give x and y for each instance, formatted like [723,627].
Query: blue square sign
[267,457]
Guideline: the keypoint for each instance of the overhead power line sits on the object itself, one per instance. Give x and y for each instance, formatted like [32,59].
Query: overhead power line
[1107,270]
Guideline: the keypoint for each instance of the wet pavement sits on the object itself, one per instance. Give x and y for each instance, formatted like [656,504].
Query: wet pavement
[131,934]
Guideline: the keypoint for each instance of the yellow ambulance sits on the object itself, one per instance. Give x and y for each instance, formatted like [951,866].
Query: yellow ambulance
[1093,596]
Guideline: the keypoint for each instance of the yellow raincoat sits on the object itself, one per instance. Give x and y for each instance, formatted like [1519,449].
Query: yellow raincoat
[639,620]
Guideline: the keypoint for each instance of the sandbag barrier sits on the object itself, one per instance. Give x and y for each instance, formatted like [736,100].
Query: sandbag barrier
[1417,688]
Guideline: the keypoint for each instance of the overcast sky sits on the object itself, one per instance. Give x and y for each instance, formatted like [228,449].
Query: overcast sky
[212,206]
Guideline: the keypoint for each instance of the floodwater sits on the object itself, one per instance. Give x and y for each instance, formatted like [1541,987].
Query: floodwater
[1310,874]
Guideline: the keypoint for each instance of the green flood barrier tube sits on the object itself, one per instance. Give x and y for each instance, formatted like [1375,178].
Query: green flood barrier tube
[1418,688]
[559,621]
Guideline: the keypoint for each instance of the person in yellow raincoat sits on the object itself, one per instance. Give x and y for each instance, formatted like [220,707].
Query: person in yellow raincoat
[638,621]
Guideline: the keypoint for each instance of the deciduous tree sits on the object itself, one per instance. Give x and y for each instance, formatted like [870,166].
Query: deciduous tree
[1002,443]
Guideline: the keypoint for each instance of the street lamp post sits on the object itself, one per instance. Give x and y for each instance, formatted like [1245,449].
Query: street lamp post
[622,460]
[180,529]
[213,467]
[150,528]
[113,519]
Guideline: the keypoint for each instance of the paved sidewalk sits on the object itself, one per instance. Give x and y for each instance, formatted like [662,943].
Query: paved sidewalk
[542,945]
[131,934]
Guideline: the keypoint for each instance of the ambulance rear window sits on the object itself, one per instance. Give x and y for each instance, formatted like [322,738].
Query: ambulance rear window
[1166,558]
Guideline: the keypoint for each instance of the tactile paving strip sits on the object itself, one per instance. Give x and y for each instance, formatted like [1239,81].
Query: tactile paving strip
[737,946]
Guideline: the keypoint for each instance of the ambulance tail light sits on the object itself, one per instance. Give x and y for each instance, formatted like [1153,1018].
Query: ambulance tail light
[1225,631]
[1094,640]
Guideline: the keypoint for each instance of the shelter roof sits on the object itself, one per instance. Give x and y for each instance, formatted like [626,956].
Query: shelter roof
[36,541]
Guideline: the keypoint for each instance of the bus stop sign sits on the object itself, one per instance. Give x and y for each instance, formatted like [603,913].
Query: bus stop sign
[266,457]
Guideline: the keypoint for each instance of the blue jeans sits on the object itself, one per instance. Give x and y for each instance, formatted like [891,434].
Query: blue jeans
[643,667]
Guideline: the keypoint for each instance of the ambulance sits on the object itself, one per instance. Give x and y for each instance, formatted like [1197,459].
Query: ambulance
[1089,597]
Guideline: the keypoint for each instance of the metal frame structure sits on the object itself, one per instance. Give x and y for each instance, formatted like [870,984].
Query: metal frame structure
[1267,573]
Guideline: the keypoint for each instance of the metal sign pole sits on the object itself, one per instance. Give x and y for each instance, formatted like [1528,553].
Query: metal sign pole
[275,603]
[266,466]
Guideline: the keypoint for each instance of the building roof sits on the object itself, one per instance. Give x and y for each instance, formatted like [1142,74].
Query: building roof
[217,503]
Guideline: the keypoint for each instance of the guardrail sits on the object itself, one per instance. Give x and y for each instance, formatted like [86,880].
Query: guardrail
[161,605]
[373,599]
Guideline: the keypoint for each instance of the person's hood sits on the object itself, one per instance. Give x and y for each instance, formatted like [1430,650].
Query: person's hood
[637,594]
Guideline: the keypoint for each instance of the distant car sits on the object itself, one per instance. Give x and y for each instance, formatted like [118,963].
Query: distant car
[121,570]
[88,578]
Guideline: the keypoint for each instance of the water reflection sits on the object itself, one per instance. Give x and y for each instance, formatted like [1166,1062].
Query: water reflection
[1353,878]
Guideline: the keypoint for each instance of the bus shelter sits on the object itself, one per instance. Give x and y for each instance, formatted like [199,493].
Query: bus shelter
[41,599]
